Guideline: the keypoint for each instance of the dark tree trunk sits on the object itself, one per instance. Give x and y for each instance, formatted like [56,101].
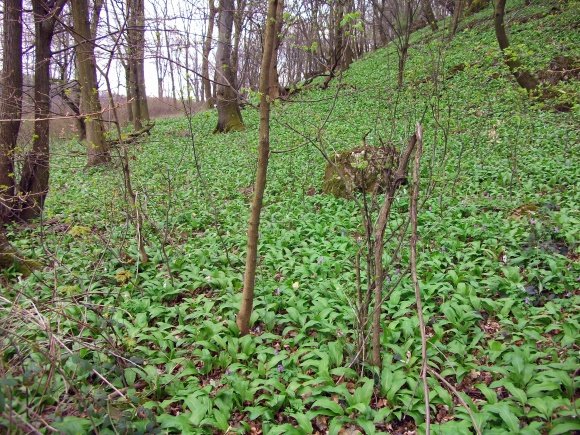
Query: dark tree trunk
[274,86]
[129,87]
[207,91]
[136,50]
[35,172]
[348,39]
[75,107]
[229,115]
[457,12]
[237,30]
[429,15]
[524,78]
[10,104]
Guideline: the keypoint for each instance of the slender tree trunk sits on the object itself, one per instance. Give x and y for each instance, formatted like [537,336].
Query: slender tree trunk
[140,60]
[170,63]
[245,313]
[238,22]
[129,88]
[524,78]
[97,149]
[404,24]
[457,12]
[10,104]
[275,87]
[136,50]
[35,172]
[378,248]
[348,37]
[207,92]
[158,65]
[229,115]
[337,42]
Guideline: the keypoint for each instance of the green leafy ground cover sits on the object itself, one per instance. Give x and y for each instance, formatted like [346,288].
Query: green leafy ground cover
[498,263]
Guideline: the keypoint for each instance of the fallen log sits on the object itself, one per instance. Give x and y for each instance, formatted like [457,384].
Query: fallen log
[131,137]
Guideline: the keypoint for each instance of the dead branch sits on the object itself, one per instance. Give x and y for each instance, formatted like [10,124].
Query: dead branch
[133,136]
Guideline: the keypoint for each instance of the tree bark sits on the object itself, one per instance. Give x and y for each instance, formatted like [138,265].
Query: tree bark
[74,106]
[207,92]
[348,38]
[429,14]
[457,12]
[129,88]
[10,104]
[274,87]
[97,149]
[136,50]
[524,78]
[35,172]
[243,319]
[229,115]
[378,247]
[239,14]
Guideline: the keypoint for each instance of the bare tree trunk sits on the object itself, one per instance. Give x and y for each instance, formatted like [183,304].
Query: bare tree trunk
[238,23]
[274,90]
[74,106]
[429,15]
[158,65]
[404,24]
[207,92]
[524,78]
[457,12]
[229,115]
[243,319]
[378,247]
[129,88]
[35,172]
[97,149]
[170,63]
[140,60]
[10,104]
[348,37]
[136,50]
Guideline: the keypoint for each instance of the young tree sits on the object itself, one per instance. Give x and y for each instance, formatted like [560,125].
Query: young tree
[274,87]
[400,16]
[207,91]
[97,148]
[457,12]
[35,172]
[243,320]
[229,115]
[524,78]
[239,18]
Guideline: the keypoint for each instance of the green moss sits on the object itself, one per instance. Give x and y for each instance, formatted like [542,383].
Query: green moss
[477,6]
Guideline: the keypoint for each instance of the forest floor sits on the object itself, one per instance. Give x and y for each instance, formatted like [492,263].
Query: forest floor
[96,342]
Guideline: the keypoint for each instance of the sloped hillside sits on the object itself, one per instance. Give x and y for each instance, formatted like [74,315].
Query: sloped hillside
[155,347]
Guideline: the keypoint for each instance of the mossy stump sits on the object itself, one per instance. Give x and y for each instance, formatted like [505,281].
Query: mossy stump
[362,169]
[9,257]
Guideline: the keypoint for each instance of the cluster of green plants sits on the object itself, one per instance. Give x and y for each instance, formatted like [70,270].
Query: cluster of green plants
[98,342]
